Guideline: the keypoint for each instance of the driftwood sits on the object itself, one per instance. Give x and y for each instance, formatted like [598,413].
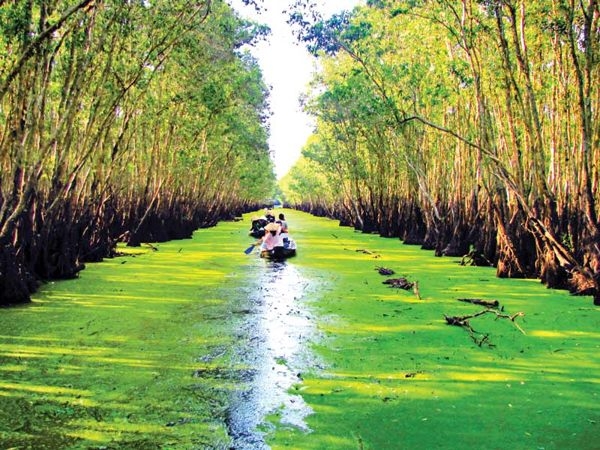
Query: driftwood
[478,337]
[478,301]
[368,252]
[403,283]
[384,271]
[400,283]
[365,251]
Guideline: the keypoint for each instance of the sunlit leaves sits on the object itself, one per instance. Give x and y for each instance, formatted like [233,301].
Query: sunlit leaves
[330,35]
[306,182]
[468,98]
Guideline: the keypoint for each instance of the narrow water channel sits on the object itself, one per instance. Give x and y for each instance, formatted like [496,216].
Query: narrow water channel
[274,337]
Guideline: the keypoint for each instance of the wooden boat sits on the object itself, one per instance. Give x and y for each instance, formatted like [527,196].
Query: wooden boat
[280,253]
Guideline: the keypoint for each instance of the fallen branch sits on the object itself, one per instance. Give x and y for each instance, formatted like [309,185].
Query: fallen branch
[365,251]
[403,283]
[478,301]
[400,283]
[463,321]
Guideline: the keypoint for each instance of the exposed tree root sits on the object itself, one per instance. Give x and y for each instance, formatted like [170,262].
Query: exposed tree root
[475,258]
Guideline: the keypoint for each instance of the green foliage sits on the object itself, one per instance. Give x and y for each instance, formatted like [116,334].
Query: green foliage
[160,86]
[326,36]
[16,21]
[305,182]
[250,33]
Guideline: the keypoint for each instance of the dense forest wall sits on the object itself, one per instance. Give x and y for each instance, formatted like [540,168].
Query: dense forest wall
[122,121]
[467,127]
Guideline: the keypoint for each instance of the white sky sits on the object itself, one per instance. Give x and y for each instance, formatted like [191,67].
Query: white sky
[287,67]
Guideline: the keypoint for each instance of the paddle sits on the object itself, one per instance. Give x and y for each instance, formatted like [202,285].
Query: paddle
[249,249]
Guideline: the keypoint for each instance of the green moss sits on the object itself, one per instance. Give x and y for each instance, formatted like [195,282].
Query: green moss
[139,352]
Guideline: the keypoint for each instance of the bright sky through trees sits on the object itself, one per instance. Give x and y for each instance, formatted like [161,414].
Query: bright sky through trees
[287,68]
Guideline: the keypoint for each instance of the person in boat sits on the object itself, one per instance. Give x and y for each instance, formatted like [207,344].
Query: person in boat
[283,228]
[281,221]
[272,241]
[269,216]
[257,230]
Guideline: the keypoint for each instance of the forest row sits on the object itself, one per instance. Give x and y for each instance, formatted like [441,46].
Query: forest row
[465,126]
[122,121]
[469,127]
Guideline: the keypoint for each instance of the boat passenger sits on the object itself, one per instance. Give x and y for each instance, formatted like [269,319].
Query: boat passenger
[284,229]
[269,215]
[283,223]
[272,241]
[257,230]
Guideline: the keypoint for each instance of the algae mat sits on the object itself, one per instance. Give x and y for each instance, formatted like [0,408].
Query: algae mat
[197,345]
[138,353]
[398,377]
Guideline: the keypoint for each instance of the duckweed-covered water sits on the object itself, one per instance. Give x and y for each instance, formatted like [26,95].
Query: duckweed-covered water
[199,346]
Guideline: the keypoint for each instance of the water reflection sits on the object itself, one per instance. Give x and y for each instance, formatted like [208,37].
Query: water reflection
[277,330]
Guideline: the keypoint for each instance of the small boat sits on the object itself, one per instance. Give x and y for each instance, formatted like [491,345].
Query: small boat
[260,226]
[278,253]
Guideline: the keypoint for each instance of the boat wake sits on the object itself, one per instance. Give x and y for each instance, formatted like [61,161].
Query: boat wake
[276,332]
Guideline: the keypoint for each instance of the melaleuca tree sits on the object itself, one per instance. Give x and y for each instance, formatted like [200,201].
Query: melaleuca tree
[126,120]
[485,100]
